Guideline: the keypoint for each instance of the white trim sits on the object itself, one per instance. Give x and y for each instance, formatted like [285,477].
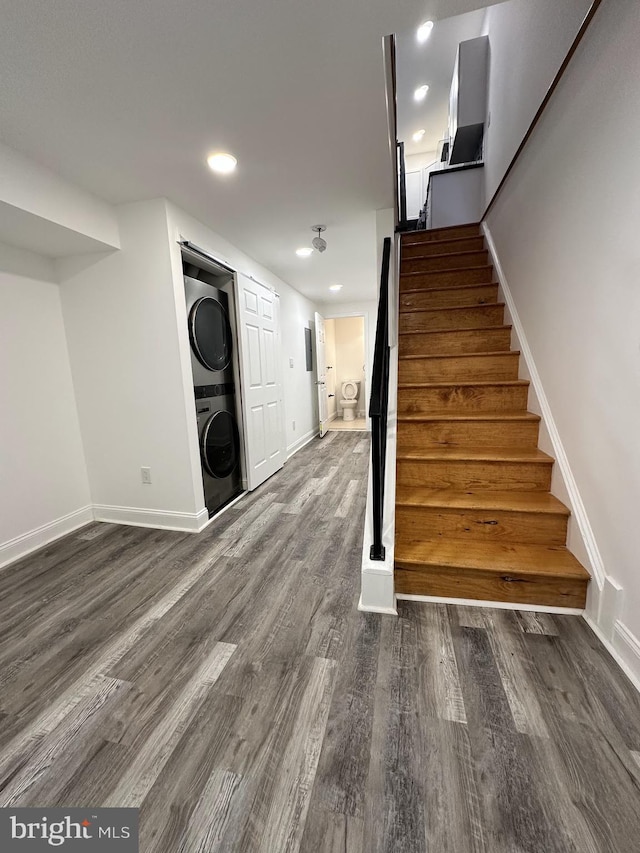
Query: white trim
[377,580]
[624,649]
[189,522]
[31,541]
[575,500]
[220,511]
[301,442]
[499,605]
[387,611]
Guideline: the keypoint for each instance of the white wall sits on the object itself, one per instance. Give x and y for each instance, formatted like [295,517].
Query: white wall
[38,205]
[44,491]
[296,314]
[414,162]
[566,231]
[350,359]
[527,44]
[122,328]
[330,356]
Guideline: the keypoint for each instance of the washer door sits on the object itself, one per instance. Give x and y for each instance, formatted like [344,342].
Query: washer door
[220,445]
[210,333]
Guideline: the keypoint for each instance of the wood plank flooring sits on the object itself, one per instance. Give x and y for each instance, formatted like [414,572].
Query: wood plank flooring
[226,684]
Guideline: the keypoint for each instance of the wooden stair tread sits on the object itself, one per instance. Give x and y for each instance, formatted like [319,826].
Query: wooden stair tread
[473,285]
[484,454]
[460,254]
[452,270]
[495,558]
[469,416]
[536,502]
[409,238]
[445,241]
[454,308]
[482,383]
[501,353]
[457,329]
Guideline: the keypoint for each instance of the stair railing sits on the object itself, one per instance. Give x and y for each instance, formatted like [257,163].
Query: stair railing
[402,184]
[378,405]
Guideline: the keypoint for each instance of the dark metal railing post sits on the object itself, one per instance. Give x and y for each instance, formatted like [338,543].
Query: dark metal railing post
[378,405]
[402,175]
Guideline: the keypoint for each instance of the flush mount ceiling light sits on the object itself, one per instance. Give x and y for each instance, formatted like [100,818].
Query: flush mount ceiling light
[424,31]
[421,93]
[304,252]
[417,136]
[335,287]
[319,242]
[222,163]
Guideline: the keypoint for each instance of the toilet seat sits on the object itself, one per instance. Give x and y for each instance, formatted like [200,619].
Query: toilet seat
[350,389]
[349,399]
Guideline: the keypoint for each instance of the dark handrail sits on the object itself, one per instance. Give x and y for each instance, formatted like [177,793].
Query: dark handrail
[378,404]
[402,175]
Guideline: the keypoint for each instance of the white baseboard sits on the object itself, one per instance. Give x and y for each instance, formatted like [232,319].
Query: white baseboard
[562,461]
[301,442]
[624,648]
[187,522]
[499,605]
[370,608]
[28,542]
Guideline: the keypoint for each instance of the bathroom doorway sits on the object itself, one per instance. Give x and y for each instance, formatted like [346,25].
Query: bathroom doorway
[346,373]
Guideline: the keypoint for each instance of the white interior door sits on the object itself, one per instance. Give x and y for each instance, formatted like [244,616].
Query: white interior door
[321,375]
[413,188]
[260,365]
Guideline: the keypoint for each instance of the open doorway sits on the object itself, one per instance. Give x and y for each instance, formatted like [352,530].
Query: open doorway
[345,372]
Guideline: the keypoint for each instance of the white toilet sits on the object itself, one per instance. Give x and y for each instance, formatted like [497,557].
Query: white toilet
[349,399]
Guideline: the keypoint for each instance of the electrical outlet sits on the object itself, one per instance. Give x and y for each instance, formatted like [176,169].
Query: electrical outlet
[146,476]
[290,362]
[293,424]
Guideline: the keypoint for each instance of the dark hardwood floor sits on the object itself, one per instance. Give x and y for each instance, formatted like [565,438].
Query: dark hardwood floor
[226,684]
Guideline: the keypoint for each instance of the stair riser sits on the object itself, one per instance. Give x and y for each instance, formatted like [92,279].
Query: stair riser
[475,475]
[462,398]
[413,237]
[532,528]
[481,295]
[472,340]
[462,318]
[470,244]
[446,262]
[444,278]
[416,436]
[453,369]
[518,589]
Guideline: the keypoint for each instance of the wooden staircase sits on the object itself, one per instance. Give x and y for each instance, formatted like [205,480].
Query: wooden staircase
[474,515]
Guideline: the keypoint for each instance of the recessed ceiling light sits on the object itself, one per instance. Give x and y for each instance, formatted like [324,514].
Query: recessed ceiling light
[424,31]
[222,163]
[335,287]
[304,252]
[417,136]
[421,92]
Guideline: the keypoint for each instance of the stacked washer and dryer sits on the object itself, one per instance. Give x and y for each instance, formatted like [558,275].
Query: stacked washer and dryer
[211,334]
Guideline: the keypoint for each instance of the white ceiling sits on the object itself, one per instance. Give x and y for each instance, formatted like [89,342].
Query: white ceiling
[126,99]
[431,63]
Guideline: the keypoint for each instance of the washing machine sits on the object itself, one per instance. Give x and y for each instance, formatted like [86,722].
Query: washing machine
[212,350]
[210,333]
[219,447]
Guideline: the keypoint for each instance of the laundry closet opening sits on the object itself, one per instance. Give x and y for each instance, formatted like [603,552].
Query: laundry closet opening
[345,372]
